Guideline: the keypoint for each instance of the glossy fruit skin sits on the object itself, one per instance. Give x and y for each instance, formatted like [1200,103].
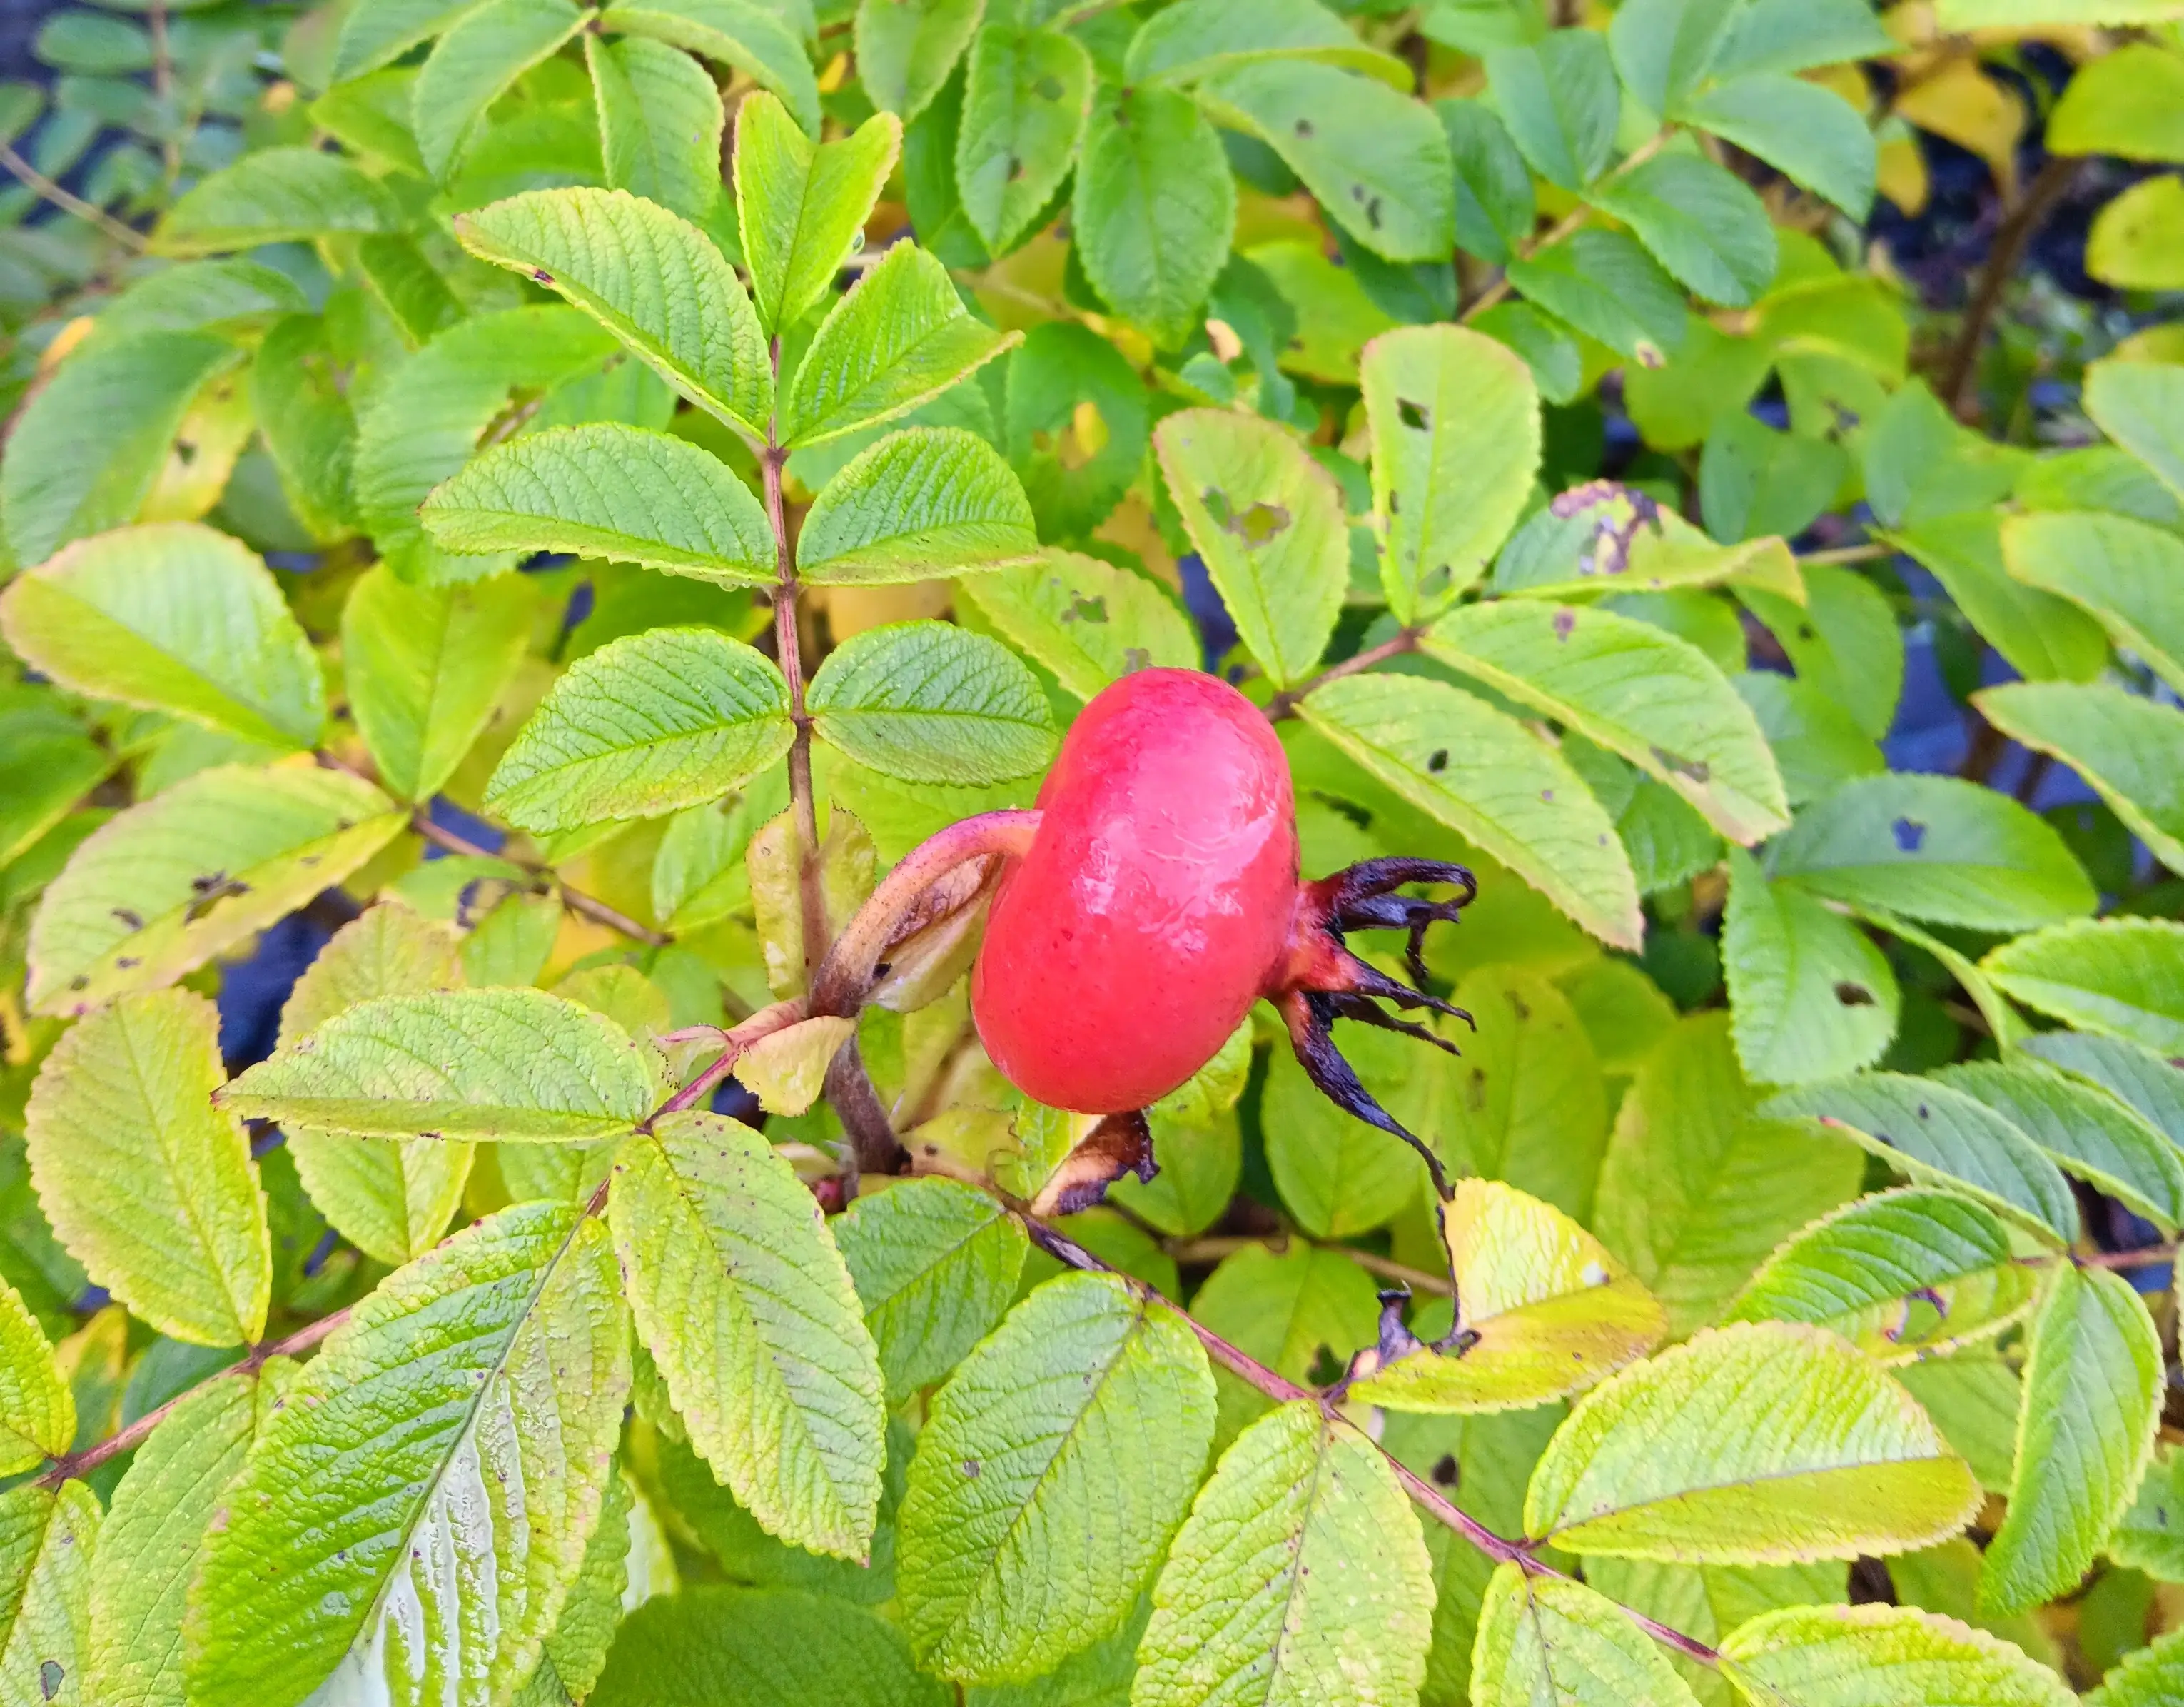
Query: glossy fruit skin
[1157,895]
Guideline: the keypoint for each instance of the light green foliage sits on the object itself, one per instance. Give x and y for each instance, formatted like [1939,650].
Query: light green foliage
[2117,568]
[1026,95]
[488,50]
[2145,1678]
[1812,997]
[926,499]
[935,1265]
[2150,1536]
[2141,406]
[2121,976]
[2131,750]
[1285,1309]
[661,121]
[276,195]
[1701,222]
[907,48]
[1549,1639]
[771,1647]
[1197,38]
[2086,1133]
[1087,621]
[37,1412]
[1154,207]
[802,206]
[1707,1601]
[752,38]
[1055,1464]
[49,1548]
[1336,1175]
[1853,1654]
[929,703]
[2045,637]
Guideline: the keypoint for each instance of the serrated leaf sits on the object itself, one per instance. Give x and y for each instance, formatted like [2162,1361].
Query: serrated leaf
[1902,1276]
[1854,1654]
[2148,1678]
[717,1643]
[276,196]
[171,617]
[1755,481]
[1707,1601]
[2122,976]
[2093,1384]
[2141,406]
[747,1308]
[1605,285]
[660,122]
[1269,522]
[899,338]
[576,1650]
[1763,1443]
[461,1064]
[2130,748]
[906,49]
[607,490]
[1600,537]
[935,1265]
[1288,1308]
[925,501]
[471,65]
[1300,1577]
[37,1411]
[1026,95]
[1199,38]
[1937,1136]
[1810,995]
[49,1543]
[787,1071]
[411,1521]
[2150,1536]
[372,36]
[149,1185]
[1155,207]
[1935,848]
[1542,1310]
[648,724]
[1547,1639]
[750,35]
[2087,1132]
[2143,1081]
[1702,223]
[1810,134]
[2121,570]
[1486,776]
[161,888]
[1558,97]
[2043,636]
[802,205]
[307,426]
[929,702]
[653,280]
[1086,620]
[1055,1464]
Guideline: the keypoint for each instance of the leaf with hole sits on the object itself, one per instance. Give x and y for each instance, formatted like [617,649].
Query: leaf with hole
[1026,95]
[1084,619]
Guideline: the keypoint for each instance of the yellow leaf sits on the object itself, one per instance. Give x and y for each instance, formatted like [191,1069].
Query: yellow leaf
[787,1071]
[2137,240]
[1971,109]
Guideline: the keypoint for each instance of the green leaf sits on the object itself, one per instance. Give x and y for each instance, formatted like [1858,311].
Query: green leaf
[1694,1190]
[802,206]
[1338,1176]
[1633,687]
[2135,241]
[1815,741]
[37,1411]
[1605,284]
[1810,134]
[906,49]
[2044,638]
[475,63]
[1542,1310]
[2121,571]
[1763,1443]
[2150,1536]
[2092,1403]
[1269,522]
[935,1264]
[1300,1577]
[172,617]
[2085,1131]
[1799,36]
[415,1515]
[2121,976]
[648,724]
[1558,98]
[276,196]
[761,1645]
[1844,640]
[1706,227]
[373,36]
[1934,848]
[750,35]
[2140,1079]
[1754,480]
[929,702]
[1975,1397]
[1198,38]
[2130,748]
[304,419]
[1494,207]
[1810,995]
[1288,1309]
[1026,95]
[1662,47]
[661,123]
[575,1649]
[90,443]
[1053,1468]
[1876,1654]
[1455,421]
[149,1185]
[653,280]
[1484,774]
[925,501]
[747,1306]
[1087,621]
[2130,104]
[1902,1276]
[2141,406]
[1938,1135]
[1920,465]
[1548,1639]
[1377,161]
[900,337]
[48,1544]
[1154,206]
[2147,1678]
[465,1063]
[607,490]
[161,888]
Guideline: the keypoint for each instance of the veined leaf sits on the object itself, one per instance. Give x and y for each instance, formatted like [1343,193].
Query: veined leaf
[1485,775]
[48,1544]
[1495,207]
[1288,1309]
[2093,1401]
[307,425]
[660,122]
[172,617]
[2148,1678]
[625,1559]
[2121,570]
[1701,221]
[2138,1076]
[2123,976]
[1198,38]
[2150,1536]
[1548,1639]
[1605,285]
[37,1411]
[411,1521]
[1055,1464]
[462,1063]
[1707,1601]
[1026,97]
[1338,1176]
[1300,1577]
[2087,1132]
[906,49]
[1861,1653]
[475,63]
[900,337]
[2045,637]
[1810,995]
[803,204]
[750,34]
[935,1265]
[1086,620]
[1454,419]
[276,196]
[1542,1310]
[747,1308]
[163,886]
[718,1643]
[2130,748]
[925,501]
[607,490]
[1810,134]
[1763,1443]
[149,1185]
[1941,1136]
[1155,207]
[1269,522]
[653,280]
[1902,1276]
[1635,689]
[2141,406]
[373,36]
[648,724]
[929,702]
[1558,97]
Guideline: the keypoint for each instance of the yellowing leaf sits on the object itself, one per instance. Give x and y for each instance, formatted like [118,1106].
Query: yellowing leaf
[1848,1656]
[786,1070]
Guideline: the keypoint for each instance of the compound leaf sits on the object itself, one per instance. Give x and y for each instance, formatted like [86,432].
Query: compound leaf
[474,64]
[803,205]
[37,1410]
[2087,1131]
[750,35]
[660,122]
[925,501]
[1155,207]
[276,196]
[935,1264]
[906,49]
[2121,570]
[48,1545]
[1025,100]
[2129,747]
[1810,995]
